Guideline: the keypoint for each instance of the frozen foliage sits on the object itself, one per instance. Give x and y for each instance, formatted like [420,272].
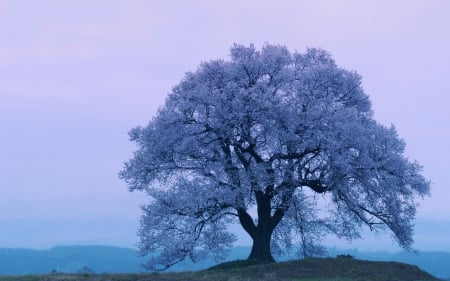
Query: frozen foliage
[261,140]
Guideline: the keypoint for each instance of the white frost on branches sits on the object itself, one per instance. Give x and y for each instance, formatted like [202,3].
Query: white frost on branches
[259,131]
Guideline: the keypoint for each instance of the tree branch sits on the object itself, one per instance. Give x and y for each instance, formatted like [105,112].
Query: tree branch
[247,222]
[315,185]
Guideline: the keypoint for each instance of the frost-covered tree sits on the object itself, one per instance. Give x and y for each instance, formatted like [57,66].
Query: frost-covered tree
[284,144]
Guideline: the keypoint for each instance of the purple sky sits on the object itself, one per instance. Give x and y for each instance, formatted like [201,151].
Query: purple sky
[76,75]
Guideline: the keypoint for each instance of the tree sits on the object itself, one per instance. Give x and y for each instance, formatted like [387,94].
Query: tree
[264,139]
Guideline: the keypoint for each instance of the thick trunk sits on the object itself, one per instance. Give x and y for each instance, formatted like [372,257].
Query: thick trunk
[262,232]
[261,245]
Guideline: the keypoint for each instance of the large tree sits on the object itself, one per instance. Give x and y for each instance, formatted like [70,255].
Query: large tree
[283,143]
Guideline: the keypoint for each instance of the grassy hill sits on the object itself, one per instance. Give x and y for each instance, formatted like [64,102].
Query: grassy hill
[328,269]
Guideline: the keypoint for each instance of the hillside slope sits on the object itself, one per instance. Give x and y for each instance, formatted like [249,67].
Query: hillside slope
[335,269]
[107,259]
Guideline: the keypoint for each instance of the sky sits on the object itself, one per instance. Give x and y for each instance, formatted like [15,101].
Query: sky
[77,75]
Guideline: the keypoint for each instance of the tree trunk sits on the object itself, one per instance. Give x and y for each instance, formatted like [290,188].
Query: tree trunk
[262,232]
[261,245]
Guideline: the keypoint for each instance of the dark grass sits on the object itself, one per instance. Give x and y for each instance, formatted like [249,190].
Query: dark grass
[329,269]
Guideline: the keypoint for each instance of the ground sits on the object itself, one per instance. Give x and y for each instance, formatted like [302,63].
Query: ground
[328,269]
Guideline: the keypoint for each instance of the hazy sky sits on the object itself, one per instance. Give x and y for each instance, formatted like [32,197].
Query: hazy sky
[77,75]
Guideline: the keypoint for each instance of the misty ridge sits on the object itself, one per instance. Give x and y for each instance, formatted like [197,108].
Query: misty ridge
[109,259]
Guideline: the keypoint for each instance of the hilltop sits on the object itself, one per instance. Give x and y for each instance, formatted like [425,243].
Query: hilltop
[336,269]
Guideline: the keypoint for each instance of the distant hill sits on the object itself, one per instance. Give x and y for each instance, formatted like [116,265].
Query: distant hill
[100,259]
[69,259]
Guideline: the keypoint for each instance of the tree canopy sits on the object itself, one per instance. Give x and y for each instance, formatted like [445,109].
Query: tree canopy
[283,143]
